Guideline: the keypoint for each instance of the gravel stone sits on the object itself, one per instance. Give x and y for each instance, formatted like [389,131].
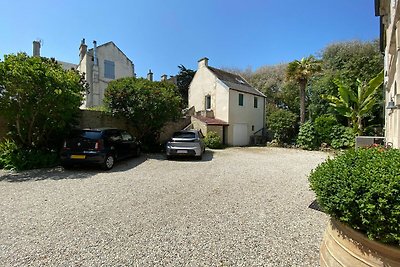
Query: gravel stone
[235,207]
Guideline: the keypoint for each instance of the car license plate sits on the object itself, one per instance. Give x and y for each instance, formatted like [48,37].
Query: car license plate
[181,151]
[78,156]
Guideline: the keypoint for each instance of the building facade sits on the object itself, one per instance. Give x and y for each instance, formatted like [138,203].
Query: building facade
[226,100]
[389,12]
[102,64]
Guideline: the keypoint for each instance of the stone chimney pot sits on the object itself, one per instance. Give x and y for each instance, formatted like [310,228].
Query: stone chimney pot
[203,62]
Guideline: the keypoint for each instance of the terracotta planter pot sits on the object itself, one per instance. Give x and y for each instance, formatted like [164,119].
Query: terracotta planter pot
[343,246]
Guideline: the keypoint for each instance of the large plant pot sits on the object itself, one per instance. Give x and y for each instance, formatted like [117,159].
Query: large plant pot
[343,246]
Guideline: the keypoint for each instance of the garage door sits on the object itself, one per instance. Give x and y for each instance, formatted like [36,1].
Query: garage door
[240,134]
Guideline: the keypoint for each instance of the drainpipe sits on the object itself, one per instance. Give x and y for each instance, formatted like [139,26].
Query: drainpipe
[95,53]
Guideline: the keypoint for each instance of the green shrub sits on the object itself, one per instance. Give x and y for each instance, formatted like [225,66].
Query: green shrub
[283,124]
[213,140]
[361,188]
[307,138]
[13,157]
[323,127]
[342,137]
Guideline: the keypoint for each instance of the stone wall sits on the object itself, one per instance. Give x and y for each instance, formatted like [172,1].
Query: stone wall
[97,119]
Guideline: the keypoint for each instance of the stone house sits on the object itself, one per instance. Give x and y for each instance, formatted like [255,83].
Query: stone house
[227,104]
[102,64]
[389,12]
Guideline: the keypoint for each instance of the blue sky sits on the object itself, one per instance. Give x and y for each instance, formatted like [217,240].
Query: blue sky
[160,35]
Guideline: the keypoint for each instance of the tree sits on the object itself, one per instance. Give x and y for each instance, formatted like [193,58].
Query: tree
[300,71]
[148,105]
[38,98]
[283,124]
[356,105]
[346,61]
[184,78]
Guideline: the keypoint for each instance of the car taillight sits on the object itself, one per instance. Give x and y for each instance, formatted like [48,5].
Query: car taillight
[99,145]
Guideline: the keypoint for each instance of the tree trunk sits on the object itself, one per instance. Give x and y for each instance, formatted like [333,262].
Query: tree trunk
[303,102]
[360,125]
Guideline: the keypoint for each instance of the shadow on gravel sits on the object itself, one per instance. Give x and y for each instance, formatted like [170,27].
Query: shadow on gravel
[59,173]
[315,206]
[207,156]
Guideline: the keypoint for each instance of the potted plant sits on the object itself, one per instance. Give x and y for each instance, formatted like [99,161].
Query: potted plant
[360,190]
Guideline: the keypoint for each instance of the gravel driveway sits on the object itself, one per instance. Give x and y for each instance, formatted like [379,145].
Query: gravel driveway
[236,207]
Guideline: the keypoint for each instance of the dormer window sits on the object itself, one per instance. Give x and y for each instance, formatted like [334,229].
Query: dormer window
[239,80]
[208,102]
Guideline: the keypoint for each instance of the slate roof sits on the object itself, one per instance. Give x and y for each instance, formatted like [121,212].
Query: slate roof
[211,121]
[67,65]
[235,82]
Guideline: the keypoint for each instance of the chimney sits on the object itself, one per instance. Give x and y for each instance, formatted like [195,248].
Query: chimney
[203,62]
[36,48]
[82,49]
[150,76]
[95,53]
[164,77]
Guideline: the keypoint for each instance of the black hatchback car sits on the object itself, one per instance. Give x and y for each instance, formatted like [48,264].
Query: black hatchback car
[98,147]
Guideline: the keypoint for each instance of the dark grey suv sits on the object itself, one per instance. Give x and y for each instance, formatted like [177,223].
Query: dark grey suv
[100,147]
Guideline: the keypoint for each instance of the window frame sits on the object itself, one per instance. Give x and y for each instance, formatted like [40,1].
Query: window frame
[255,103]
[241,100]
[109,69]
[207,102]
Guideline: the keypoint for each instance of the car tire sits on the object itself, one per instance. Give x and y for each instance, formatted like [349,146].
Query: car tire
[200,157]
[67,166]
[109,162]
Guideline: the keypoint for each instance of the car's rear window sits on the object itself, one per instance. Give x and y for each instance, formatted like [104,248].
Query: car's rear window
[85,134]
[184,135]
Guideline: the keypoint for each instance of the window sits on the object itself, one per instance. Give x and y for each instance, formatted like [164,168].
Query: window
[126,136]
[114,136]
[208,102]
[241,97]
[109,69]
[255,102]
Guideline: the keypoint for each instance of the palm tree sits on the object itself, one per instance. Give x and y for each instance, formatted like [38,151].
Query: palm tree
[300,71]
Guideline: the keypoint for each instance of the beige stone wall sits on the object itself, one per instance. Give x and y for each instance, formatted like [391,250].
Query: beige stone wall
[205,83]
[199,125]
[95,75]
[216,128]
[97,119]
[204,128]
[391,23]
[171,127]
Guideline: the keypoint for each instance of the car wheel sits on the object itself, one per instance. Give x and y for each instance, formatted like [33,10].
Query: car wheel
[200,157]
[66,166]
[109,162]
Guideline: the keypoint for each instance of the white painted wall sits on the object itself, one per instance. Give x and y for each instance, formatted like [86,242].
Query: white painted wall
[205,83]
[245,114]
[225,104]
[392,69]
